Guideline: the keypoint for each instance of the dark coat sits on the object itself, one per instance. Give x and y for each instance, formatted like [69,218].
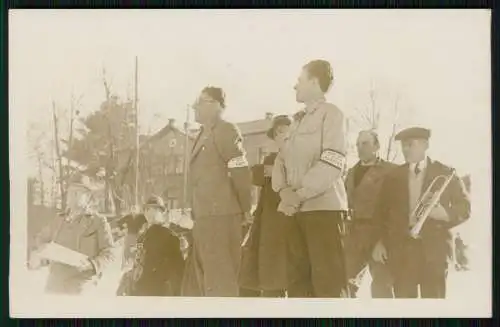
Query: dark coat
[159,264]
[393,215]
[362,198]
[264,255]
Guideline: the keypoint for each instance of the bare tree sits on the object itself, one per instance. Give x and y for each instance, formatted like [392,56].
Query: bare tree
[382,115]
[61,176]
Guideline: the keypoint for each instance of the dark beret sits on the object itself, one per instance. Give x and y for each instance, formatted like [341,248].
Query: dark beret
[281,120]
[413,133]
[155,201]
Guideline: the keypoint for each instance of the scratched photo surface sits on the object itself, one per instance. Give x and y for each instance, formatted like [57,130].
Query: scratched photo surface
[250,163]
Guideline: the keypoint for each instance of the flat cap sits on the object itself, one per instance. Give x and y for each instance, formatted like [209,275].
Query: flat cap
[155,202]
[280,120]
[413,133]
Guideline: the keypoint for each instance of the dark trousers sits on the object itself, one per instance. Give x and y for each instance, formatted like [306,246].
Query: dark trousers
[358,246]
[315,258]
[412,270]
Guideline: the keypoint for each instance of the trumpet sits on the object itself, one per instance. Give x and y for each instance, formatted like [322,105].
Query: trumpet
[427,202]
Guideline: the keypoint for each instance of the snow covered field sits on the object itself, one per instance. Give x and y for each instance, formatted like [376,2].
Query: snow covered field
[457,281]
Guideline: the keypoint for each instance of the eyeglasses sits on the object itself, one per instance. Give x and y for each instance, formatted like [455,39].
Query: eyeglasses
[201,101]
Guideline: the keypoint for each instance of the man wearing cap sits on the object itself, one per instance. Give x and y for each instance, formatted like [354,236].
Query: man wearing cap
[423,261]
[159,263]
[221,196]
[264,254]
[363,183]
[82,230]
[308,176]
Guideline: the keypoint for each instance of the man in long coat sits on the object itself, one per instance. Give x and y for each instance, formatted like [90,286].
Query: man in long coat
[82,230]
[220,182]
[422,261]
[363,184]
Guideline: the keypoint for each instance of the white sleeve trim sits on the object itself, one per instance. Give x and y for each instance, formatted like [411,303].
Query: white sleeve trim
[238,162]
[333,158]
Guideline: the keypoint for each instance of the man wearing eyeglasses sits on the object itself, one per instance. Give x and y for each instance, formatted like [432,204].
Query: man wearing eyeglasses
[220,196]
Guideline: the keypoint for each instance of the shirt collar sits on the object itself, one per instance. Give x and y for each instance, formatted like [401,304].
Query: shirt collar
[374,163]
[311,107]
[421,165]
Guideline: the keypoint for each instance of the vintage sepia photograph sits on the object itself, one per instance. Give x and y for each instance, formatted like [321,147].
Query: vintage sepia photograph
[250,163]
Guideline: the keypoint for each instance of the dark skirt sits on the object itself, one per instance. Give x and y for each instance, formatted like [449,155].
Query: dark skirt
[263,264]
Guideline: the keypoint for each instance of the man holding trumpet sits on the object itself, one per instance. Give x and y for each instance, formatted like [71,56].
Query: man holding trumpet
[421,193]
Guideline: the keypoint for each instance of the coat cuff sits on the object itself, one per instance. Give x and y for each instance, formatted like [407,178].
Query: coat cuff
[95,266]
[304,194]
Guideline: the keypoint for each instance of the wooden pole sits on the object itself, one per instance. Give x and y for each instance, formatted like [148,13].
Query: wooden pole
[186,159]
[137,135]
[59,159]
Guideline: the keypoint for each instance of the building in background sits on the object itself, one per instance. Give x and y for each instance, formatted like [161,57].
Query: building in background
[161,166]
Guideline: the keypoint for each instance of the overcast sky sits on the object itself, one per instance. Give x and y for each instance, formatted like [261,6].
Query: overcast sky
[437,61]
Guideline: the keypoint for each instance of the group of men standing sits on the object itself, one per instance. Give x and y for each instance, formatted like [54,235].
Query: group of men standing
[328,229]
[313,233]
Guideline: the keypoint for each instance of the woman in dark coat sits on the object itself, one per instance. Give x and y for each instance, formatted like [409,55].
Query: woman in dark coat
[263,268]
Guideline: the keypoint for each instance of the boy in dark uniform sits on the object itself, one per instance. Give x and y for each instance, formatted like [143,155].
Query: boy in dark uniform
[159,264]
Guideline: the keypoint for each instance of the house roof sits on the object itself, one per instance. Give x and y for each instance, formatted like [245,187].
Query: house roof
[254,126]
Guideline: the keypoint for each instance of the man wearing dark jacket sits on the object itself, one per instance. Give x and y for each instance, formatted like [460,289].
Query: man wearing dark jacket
[422,261]
[363,184]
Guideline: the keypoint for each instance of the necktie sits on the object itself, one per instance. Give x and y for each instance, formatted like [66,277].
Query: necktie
[417,170]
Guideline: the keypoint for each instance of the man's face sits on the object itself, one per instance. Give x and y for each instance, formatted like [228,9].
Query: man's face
[305,87]
[281,134]
[205,108]
[77,198]
[367,147]
[153,215]
[414,150]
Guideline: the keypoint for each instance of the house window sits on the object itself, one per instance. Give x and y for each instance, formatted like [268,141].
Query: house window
[262,155]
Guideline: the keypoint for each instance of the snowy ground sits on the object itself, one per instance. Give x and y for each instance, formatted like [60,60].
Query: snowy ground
[108,285]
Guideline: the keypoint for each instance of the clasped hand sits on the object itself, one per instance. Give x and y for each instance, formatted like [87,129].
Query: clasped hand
[85,265]
[290,202]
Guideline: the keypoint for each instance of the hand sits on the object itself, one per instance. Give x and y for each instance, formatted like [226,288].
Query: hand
[439,213]
[34,261]
[85,265]
[379,253]
[248,219]
[287,209]
[290,197]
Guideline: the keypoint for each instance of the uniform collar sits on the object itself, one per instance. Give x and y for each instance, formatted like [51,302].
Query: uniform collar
[311,107]
[210,125]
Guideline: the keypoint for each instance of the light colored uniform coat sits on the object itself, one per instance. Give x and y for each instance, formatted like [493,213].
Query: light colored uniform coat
[313,158]
[88,234]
